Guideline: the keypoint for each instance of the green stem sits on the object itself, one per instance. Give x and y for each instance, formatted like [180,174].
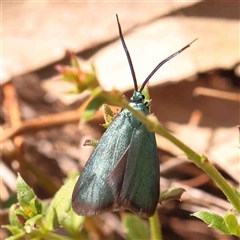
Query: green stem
[41,226]
[156,233]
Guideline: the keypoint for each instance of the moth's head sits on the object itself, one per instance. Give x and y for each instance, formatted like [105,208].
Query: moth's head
[137,97]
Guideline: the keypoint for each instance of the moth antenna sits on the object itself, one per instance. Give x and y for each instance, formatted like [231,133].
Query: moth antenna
[128,55]
[164,61]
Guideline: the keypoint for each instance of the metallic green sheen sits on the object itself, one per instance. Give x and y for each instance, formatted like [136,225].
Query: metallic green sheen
[123,170]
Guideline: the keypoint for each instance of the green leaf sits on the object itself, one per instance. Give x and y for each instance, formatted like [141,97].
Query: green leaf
[13,218]
[60,205]
[21,214]
[15,230]
[146,93]
[171,194]
[74,74]
[92,108]
[27,199]
[147,100]
[16,236]
[91,142]
[213,220]
[73,223]
[36,206]
[232,223]
[135,227]
[32,221]
[24,193]
[108,115]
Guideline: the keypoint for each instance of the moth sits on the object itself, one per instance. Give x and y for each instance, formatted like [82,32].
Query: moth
[123,170]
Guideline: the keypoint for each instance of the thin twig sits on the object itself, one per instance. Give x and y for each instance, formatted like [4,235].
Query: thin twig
[12,107]
[44,122]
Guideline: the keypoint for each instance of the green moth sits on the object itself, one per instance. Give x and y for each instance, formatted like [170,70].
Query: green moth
[123,171]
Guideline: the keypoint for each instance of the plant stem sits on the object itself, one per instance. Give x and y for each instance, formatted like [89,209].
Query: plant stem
[156,233]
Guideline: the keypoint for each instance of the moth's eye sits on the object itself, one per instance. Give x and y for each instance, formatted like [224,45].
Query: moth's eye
[143,97]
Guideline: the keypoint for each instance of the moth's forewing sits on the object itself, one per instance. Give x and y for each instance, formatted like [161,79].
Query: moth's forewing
[92,193]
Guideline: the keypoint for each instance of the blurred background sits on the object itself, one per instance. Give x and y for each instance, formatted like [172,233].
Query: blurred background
[195,96]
